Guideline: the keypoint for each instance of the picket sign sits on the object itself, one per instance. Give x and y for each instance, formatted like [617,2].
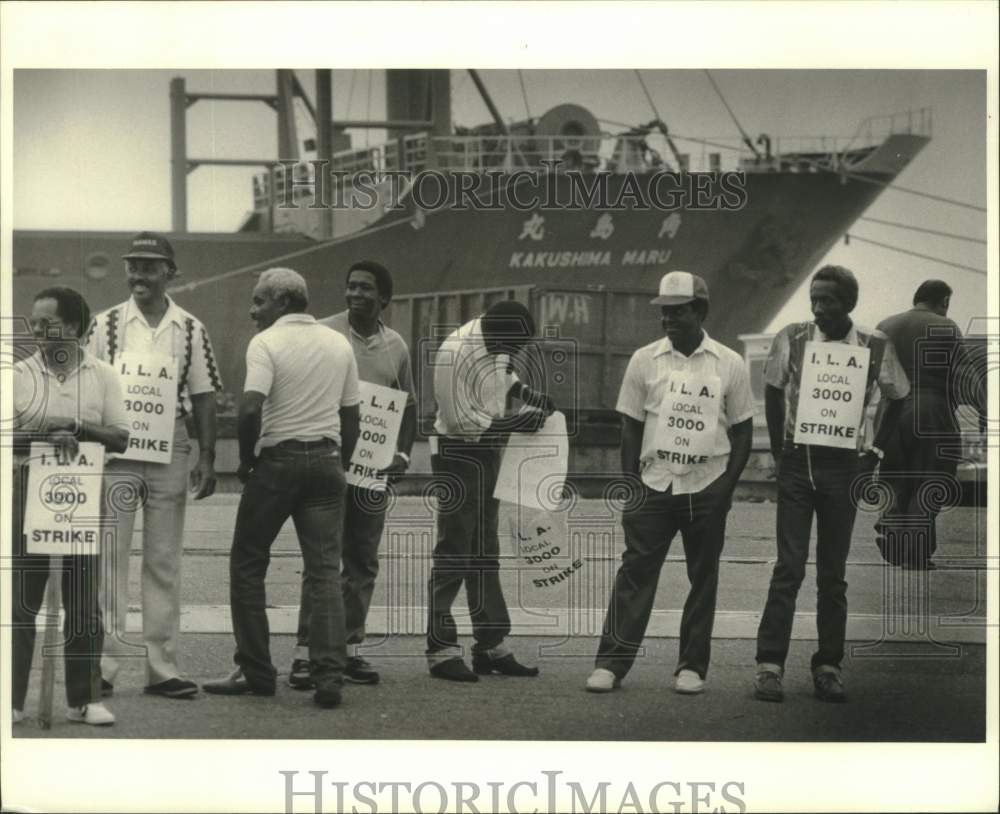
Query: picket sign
[63,507]
[381,418]
[832,394]
[149,385]
[534,466]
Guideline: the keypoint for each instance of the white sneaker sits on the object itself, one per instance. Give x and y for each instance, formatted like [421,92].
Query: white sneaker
[602,680]
[95,714]
[17,715]
[689,683]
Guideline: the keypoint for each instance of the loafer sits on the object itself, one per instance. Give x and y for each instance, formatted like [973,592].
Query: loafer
[453,670]
[602,680]
[359,671]
[327,697]
[505,665]
[688,682]
[235,684]
[828,685]
[107,688]
[300,678]
[171,688]
[95,714]
[767,685]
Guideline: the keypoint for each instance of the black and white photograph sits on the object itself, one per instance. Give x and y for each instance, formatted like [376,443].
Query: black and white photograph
[520,407]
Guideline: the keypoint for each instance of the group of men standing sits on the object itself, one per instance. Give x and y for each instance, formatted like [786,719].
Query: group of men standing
[687,424]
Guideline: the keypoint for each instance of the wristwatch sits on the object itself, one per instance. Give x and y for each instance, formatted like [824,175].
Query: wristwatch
[877,453]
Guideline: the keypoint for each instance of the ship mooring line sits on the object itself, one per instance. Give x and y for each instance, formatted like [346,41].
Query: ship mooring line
[924,229]
[930,257]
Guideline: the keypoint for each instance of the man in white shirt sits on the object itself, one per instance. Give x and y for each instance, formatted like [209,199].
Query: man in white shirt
[150,333]
[687,428]
[300,397]
[472,381]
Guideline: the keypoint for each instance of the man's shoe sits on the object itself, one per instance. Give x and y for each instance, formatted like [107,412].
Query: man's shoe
[688,682]
[504,665]
[235,684]
[359,671]
[95,714]
[924,565]
[828,685]
[602,680]
[17,715]
[173,688]
[453,670]
[327,697]
[300,678]
[767,685]
[107,688]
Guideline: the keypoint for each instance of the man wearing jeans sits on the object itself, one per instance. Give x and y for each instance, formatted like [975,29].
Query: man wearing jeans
[687,427]
[811,380]
[301,395]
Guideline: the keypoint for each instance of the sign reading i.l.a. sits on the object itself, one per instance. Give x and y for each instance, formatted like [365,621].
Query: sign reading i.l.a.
[149,383]
[63,507]
[832,394]
[381,417]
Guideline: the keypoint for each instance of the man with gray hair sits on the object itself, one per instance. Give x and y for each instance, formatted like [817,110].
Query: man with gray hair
[296,428]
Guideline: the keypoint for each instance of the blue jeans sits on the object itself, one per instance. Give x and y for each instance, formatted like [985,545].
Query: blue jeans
[364,519]
[304,481]
[811,480]
[649,529]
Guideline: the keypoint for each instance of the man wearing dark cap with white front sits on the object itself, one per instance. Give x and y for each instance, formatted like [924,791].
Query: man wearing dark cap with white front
[687,427]
[472,381]
[168,369]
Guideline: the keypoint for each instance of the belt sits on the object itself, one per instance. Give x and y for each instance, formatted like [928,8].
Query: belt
[295,443]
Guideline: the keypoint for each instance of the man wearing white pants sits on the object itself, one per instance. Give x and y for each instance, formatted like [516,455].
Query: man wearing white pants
[150,337]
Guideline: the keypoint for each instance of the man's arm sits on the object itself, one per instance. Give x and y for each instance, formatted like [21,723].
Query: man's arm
[774,412]
[631,445]
[203,475]
[741,441]
[404,445]
[248,425]
[350,429]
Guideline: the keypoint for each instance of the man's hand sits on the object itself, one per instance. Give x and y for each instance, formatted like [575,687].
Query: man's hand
[66,444]
[203,477]
[869,463]
[542,401]
[245,468]
[722,488]
[394,471]
[528,421]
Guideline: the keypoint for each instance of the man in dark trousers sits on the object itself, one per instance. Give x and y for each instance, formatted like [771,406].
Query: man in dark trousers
[295,429]
[687,428]
[926,442]
[472,382]
[819,378]
[383,359]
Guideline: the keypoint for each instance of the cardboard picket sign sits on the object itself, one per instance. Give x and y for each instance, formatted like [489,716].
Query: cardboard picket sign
[535,465]
[149,386]
[832,394]
[63,507]
[381,411]
[688,419]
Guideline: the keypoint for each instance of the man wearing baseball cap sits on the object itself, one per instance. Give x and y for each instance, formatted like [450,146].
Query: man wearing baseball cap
[168,369]
[687,426]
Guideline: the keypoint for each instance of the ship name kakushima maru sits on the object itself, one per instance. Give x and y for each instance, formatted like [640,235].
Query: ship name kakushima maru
[633,257]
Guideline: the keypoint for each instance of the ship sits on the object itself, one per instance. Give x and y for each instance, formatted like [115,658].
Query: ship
[586,225]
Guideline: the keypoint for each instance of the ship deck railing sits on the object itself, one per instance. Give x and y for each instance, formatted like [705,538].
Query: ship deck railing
[604,152]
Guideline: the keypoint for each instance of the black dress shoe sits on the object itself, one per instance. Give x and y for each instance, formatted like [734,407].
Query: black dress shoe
[453,670]
[359,671]
[505,665]
[327,697]
[235,684]
[172,688]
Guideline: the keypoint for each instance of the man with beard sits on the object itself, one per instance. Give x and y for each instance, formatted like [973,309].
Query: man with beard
[809,375]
